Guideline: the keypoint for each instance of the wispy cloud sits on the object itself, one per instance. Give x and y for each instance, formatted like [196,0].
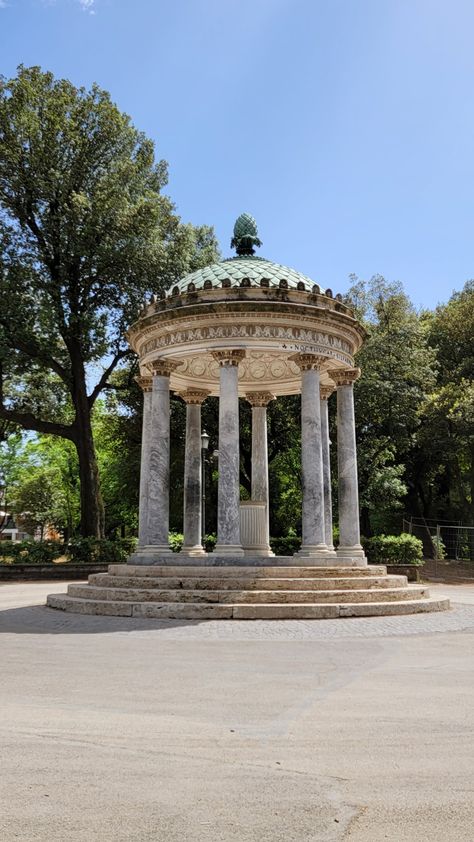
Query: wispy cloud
[3,4]
[86,6]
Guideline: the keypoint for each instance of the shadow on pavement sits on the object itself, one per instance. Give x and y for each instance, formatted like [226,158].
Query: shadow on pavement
[38,619]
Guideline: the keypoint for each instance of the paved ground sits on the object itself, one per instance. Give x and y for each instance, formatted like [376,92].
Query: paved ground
[136,730]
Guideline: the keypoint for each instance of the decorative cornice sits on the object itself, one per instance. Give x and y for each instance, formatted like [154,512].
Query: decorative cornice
[145,383]
[230,357]
[325,392]
[345,376]
[259,398]
[307,362]
[194,396]
[163,367]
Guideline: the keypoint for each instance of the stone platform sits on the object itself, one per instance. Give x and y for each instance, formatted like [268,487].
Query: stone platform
[207,592]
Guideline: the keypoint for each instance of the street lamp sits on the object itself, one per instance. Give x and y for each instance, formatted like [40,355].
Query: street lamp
[204,446]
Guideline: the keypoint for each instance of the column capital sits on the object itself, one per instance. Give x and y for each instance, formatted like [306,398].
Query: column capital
[163,367]
[233,356]
[308,362]
[345,376]
[326,391]
[145,383]
[259,398]
[194,396]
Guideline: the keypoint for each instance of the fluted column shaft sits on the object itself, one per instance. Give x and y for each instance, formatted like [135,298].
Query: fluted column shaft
[313,537]
[193,474]
[146,385]
[325,393]
[349,531]
[228,501]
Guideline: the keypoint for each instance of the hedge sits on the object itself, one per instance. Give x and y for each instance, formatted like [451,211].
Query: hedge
[285,545]
[393,549]
[78,551]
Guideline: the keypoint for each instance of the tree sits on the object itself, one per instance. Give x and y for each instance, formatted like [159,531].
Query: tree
[37,501]
[398,372]
[446,471]
[85,233]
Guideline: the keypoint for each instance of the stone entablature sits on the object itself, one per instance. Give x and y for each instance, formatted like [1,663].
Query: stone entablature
[271,332]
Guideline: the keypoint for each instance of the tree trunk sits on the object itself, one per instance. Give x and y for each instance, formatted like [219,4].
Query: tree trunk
[365,525]
[92,507]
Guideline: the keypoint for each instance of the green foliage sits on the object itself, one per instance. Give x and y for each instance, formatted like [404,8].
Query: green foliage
[30,552]
[398,370]
[99,551]
[286,545]
[176,541]
[85,232]
[79,551]
[210,542]
[394,549]
[439,548]
[37,503]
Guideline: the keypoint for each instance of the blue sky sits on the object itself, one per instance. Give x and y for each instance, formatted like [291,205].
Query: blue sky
[344,126]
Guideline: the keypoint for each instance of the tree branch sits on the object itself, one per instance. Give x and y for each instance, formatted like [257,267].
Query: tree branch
[31,349]
[120,355]
[30,422]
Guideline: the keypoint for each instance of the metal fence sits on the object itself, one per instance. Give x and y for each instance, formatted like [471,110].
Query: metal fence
[450,546]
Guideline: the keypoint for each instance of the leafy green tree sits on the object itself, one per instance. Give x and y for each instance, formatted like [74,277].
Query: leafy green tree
[398,372]
[446,462]
[37,500]
[85,233]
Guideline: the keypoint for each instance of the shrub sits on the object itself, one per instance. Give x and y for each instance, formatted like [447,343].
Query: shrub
[30,552]
[176,541]
[210,542]
[286,545]
[99,551]
[394,549]
[439,548]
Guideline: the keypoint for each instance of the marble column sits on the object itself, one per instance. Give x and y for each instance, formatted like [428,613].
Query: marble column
[159,459]
[313,537]
[228,500]
[259,402]
[145,384]
[349,533]
[192,545]
[325,394]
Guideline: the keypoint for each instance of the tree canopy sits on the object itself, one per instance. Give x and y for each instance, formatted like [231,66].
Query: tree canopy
[85,234]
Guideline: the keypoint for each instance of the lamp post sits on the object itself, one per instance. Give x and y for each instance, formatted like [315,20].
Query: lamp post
[204,446]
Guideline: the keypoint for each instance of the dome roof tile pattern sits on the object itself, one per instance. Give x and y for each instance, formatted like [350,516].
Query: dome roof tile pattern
[252,267]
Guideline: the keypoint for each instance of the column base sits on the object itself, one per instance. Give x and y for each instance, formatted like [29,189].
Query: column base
[194,551]
[356,550]
[265,551]
[312,551]
[229,549]
[154,549]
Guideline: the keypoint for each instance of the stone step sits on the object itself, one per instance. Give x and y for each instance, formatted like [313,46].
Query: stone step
[250,582]
[286,611]
[247,596]
[157,571]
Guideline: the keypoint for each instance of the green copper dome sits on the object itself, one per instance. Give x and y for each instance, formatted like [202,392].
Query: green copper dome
[248,267]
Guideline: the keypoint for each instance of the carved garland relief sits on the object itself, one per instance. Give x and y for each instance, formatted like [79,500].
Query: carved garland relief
[247,331]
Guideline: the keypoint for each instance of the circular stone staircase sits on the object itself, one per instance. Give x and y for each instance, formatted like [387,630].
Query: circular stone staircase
[198,592]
